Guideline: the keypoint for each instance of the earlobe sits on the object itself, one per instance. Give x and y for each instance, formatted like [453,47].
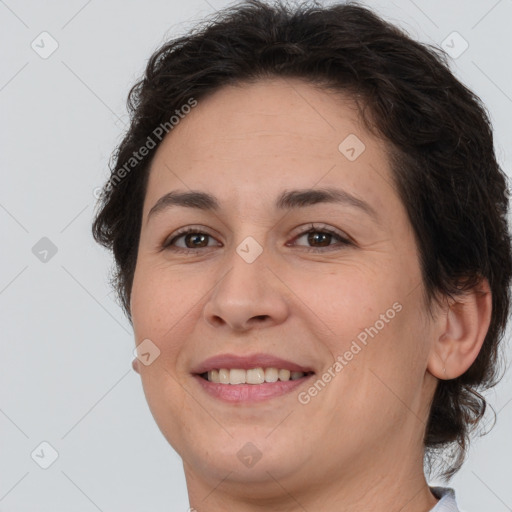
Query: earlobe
[463,327]
[135,365]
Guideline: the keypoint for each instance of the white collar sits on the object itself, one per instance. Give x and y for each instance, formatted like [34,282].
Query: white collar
[447,501]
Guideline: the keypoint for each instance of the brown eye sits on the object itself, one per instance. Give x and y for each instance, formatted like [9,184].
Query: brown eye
[319,238]
[193,240]
[188,240]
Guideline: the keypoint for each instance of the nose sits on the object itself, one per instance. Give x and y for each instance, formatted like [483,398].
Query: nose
[248,296]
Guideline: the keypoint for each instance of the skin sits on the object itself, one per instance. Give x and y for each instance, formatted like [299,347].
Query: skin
[357,445]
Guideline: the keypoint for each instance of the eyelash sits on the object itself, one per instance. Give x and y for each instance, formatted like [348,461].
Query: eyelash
[312,229]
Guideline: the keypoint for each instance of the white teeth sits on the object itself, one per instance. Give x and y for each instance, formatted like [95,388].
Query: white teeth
[224,376]
[253,376]
[236,376]
[271,374]
[284,374]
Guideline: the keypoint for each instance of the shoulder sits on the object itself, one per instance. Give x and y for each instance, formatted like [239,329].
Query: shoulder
[447,502]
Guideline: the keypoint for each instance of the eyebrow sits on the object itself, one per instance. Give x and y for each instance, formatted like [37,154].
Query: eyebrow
[289,199]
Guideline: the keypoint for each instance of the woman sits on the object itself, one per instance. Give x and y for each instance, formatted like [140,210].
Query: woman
[309,227]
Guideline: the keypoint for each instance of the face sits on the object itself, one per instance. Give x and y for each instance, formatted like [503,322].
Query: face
[278,276]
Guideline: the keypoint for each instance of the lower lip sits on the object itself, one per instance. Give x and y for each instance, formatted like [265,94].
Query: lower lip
[248,393]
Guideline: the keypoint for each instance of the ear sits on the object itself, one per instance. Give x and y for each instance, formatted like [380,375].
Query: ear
[463,325]
[135,365]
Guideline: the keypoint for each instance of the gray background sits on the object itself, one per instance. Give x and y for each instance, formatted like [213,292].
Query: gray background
[66,348]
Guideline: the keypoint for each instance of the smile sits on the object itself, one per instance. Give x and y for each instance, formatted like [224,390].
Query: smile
[233,391]
[236,376]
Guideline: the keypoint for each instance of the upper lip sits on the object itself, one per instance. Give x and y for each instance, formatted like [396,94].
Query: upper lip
[247,362]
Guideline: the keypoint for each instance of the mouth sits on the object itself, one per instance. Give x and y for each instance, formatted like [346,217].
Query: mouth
[232,378]
[252,376]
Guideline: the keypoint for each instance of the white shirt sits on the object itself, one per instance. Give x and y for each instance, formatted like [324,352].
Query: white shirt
[447,501]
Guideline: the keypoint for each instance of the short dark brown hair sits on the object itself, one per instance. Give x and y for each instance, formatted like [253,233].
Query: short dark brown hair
[438,134]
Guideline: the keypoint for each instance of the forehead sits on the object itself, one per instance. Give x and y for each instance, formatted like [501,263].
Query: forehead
[274,113]
[253,140]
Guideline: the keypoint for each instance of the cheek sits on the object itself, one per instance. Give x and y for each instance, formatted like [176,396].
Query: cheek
[159,306]
[162,298]
[349,297]
[391,364]
[373,317]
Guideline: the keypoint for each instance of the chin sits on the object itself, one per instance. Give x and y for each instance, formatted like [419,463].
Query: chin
[248,456]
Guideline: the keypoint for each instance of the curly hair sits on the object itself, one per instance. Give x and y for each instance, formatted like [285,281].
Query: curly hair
[437,131]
